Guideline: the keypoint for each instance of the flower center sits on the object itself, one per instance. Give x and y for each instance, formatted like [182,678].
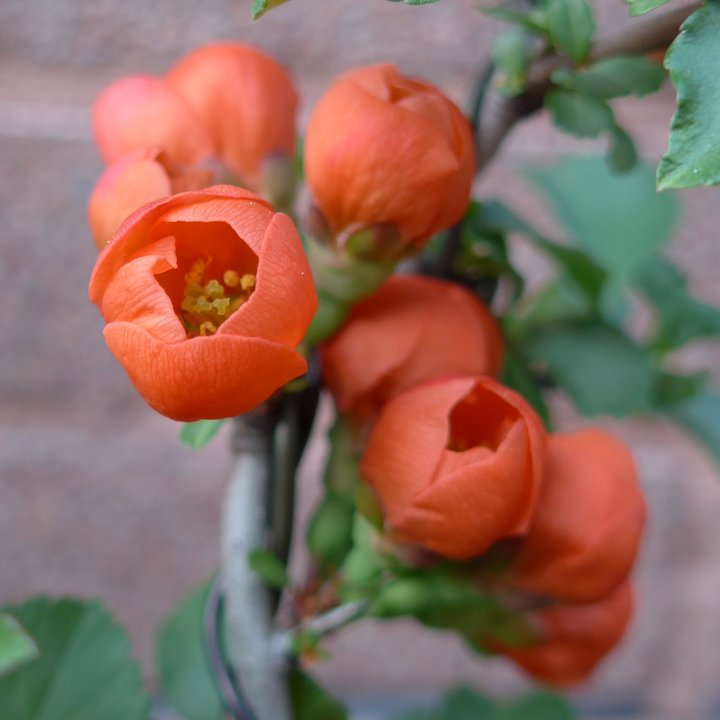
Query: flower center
[206,304]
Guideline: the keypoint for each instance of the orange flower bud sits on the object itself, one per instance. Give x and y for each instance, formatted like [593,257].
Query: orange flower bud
[228,101]
[206,295]
[590,517]
[412,329]
[383,148]
[132,182]
[457,464]
[247,101]
[576,639]
[141,112]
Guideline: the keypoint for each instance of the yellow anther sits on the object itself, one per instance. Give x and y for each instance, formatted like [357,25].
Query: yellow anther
[195,275]
[231,278]
[207,328]
[202,304]
[247,282]
[221,305]
[214,289]
[194,290]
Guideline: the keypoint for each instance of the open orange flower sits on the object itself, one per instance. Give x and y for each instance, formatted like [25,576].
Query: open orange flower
[457,464]
[590,517]
[382,148]
[412,329]
[206,295]
[575,639]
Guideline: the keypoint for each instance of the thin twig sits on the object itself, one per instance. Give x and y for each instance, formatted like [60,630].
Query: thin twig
[321,625]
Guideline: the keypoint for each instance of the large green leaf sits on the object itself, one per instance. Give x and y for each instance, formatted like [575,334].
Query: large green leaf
[693,154]
[182,666]
[602,371]
[581,115]
[84,670]
[681,318]
[621,221]
[613,77]
[700,415]
[269,567]
[310,701]
[16,646]
[570,25]
[639,7]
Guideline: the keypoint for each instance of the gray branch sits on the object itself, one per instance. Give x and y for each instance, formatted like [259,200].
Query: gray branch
[260,672]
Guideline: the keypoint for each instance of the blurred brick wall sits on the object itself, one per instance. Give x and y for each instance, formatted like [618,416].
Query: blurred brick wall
[98,498]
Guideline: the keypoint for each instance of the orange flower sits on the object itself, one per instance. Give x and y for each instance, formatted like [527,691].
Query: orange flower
[576,639]
[382,148]
[457,464]
[585,535]
[227,101]
[206,295]
[412,329]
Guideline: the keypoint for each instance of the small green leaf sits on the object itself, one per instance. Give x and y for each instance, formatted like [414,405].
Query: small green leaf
[310,701]
[613,78]
[260,7]
[186,679]
[533,21]
[700,415]
[517,375]
[622,155]
[581,115]
[640,7]
[693,154]
[571,25]
[16,646]
[602,370]
[269,567]
[541,706]
[84,669]
[681,318]
[329,533]
[198,434]
[511,56]
[671,390]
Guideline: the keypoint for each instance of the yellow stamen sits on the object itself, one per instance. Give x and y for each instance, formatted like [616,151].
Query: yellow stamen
[247,282]
[207,328]
[231,278]
[214,289]
[221,305]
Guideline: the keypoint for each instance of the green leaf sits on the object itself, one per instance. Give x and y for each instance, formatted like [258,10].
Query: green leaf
[621,221]
[541,706]
[260,7]
[185,677]
[533,20]
[310,701]
[613,78]
[693,154]
[671,390]
[511,56]
[329,533]
[198,434]
[269,567]
[602,370]
[517,375]
[581,115]
[681,318]
[584,272]
[571,25]
[640,7]
[363,565]
[84,670]
[16,646]
[622,155]
[700,416]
